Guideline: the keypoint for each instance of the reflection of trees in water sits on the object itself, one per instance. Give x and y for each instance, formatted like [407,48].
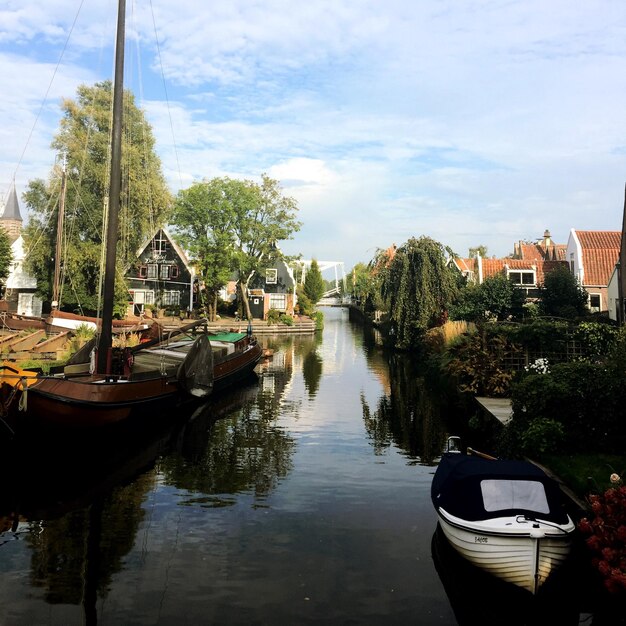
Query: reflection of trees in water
[312,365]
[244,450]
[75,556]
[410,417]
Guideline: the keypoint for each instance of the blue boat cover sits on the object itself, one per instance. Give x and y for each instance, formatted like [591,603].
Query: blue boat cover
[456,487]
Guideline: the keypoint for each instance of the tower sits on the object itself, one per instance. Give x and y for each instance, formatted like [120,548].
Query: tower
[11,219]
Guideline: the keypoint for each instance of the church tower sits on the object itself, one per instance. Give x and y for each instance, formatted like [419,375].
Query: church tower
[11,219]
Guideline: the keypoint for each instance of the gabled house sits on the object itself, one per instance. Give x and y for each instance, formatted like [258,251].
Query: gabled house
[275,289]
[20,287]
[162,276]
[592,256]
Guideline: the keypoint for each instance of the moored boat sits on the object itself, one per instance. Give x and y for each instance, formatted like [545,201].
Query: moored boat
[507,517]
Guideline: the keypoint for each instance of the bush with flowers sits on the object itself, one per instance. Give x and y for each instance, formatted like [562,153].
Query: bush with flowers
[606,532]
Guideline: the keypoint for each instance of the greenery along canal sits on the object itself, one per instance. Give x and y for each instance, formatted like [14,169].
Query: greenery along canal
[301,498]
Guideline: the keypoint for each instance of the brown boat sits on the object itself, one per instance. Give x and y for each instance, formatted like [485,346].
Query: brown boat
[156,376]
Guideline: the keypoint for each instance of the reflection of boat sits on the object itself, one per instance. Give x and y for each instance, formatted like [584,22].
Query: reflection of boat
[507,517]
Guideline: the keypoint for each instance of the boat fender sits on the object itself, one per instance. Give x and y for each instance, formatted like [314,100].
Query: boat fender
[23,403]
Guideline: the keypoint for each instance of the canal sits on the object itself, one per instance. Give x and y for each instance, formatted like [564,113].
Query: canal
[303,497]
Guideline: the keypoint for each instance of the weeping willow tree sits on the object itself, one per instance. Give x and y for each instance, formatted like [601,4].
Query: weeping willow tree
[418,287]
[82,144]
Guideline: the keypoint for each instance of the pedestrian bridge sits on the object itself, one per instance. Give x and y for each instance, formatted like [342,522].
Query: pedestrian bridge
[303,265]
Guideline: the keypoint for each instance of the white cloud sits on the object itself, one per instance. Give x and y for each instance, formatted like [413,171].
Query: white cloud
[482,122]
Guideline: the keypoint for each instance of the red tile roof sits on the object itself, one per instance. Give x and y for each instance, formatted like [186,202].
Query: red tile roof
[491,267]
[539,251]
[600,250]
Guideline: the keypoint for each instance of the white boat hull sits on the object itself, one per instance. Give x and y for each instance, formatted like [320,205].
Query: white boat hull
[519,551]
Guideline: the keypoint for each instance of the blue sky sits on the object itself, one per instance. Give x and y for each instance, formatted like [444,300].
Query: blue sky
[472,122]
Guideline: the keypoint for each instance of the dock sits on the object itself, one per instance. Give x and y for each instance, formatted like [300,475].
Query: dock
[500,408]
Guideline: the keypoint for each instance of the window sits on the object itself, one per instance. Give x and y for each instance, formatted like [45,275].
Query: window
[502,494]
[153,271]
[143,271]
[173,271]
[595,302]
[142,296]
[278,301]
[271,276]
[525,278]
[165,272]
[170,298]
[160,244]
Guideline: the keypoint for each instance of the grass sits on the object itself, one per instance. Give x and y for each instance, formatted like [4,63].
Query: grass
[586,473]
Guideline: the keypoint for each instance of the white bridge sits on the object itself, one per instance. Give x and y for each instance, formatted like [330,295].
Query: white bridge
[340,274]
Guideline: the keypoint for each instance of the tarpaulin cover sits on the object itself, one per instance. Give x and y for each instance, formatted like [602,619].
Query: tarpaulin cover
[462,482]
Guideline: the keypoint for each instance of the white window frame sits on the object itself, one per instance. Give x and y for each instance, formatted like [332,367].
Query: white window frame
[522,273]
[170,297]
[594,309]
[278,301]
[271,276]
[152,272]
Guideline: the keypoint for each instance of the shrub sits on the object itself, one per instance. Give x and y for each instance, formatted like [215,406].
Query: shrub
[606,532]
[587,398]
[286,319]
[318,318]
[273,317]
[542,436]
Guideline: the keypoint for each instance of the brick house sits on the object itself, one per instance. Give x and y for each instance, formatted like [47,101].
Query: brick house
[592,256]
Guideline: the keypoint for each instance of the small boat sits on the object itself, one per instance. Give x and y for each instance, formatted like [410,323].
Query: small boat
[507,517]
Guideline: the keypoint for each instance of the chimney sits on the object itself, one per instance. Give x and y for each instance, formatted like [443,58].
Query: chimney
[546,238]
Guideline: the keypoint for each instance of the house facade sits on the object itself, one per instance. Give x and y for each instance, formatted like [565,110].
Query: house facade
[526,268]
[272,289]
[592,256]
[162,276]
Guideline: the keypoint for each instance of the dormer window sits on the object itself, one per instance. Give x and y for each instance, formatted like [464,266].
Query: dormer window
[522,278]
[271,276]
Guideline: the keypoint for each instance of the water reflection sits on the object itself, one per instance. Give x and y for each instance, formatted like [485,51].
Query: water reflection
[300,498]
[410,414]
[241,452]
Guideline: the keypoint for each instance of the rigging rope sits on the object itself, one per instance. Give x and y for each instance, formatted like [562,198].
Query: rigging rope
[45,98]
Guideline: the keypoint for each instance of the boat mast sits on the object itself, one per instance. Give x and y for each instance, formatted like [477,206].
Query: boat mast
[108,297]
[56,287]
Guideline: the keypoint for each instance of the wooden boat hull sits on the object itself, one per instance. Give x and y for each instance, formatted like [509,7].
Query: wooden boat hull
[91,401]
[517,550]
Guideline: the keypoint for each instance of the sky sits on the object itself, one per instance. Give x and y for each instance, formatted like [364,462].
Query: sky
[474,122]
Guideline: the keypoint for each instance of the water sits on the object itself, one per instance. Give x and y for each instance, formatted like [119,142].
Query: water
[302,498]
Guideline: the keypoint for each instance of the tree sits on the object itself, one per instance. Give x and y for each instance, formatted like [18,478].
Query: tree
[6,255]
[314,283]
[262,219]
[82,142]
[480,250]
[204,215]
[495,298]
[562,295]
[418,286]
